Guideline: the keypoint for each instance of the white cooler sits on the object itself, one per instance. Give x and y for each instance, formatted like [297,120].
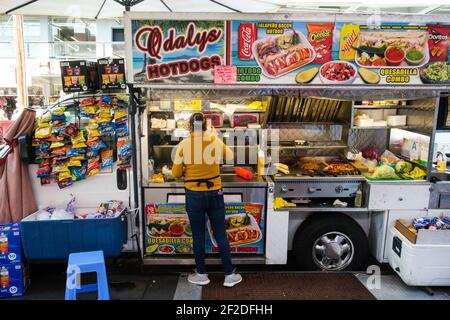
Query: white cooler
[421,264]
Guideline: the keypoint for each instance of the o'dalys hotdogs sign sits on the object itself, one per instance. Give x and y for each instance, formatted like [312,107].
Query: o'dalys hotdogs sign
[288,52]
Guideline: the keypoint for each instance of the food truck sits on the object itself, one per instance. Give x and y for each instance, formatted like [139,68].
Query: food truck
[307,95]
[341,109]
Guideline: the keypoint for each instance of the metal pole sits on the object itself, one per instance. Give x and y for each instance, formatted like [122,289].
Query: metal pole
[224,5]
[168,8]
[20,6]
[100,10]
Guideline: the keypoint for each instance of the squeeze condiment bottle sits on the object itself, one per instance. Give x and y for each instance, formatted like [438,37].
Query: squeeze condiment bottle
[244,173]
[441,161]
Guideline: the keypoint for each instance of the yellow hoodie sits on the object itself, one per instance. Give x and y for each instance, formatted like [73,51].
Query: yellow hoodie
[199,157]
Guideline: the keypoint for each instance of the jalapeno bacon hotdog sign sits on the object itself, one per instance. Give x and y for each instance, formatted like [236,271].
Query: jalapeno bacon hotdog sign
[290,52]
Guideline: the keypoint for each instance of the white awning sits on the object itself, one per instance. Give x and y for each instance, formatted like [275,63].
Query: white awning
[115,8]
[112,9]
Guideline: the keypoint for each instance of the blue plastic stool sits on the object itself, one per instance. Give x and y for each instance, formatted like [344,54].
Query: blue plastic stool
[83,262]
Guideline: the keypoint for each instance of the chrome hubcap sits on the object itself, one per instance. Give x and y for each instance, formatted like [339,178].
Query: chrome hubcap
[333,251]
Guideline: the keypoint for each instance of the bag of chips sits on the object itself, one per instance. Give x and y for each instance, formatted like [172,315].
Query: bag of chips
[87,101]
[57,144]
[92,133]
[106,128]
[93,163]
[59,152]
[73,163]
[45,117]
[72,130]
[43,133]
[60,167]
[45,180]
[120,113]
[122,130]
[97,145]
[79,173]
[64,183]
[59,118]
[438,42]
[78,138]
[320,35]
[58,111]
[64,175]
[56,138]
[107,158]
[91,153]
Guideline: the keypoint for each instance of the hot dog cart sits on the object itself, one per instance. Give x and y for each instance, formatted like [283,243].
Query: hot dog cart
[303,103]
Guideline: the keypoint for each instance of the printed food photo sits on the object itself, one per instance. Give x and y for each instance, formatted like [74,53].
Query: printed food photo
[241,229]
[338,72]
[168,227]
[280,55]
[378,49]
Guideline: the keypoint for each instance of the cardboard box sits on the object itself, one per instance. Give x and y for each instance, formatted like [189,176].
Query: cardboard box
[111,73]
[10,244]
[423,236]
[79,75]
[14,280]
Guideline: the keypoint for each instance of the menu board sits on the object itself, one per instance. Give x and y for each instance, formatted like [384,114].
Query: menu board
[289,53]
[168,231]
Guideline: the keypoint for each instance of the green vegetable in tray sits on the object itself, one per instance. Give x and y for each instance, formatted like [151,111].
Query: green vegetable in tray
[403,167]
[384,172]
[159,226]
[371,51]
[239,221]
[437,71]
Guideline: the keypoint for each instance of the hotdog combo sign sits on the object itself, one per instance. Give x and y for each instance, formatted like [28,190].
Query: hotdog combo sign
[288,52]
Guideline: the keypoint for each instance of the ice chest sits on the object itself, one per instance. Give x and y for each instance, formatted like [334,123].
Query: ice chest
[56,239]
[424,263]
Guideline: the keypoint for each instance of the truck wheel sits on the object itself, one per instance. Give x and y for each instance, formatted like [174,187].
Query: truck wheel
[330,242]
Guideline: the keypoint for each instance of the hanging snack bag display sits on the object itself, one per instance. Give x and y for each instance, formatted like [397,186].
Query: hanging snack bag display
[66,154]
[320,35]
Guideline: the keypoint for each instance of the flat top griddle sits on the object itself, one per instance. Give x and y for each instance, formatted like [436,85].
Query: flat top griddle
[319,167]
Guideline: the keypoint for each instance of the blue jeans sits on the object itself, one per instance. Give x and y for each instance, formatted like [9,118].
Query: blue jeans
[198,205]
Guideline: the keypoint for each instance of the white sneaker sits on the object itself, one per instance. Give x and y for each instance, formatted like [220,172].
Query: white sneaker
[232,280]
[198,279]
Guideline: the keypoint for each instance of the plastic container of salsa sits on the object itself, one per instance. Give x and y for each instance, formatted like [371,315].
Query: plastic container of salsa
[394,56]
[414,56]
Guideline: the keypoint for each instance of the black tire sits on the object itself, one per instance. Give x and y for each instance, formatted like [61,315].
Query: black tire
[316,226]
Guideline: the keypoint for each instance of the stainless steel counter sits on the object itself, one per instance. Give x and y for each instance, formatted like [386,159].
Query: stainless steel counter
[404,182]
[228,180]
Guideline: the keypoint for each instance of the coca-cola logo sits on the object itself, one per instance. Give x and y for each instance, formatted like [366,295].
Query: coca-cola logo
[149,39]
[246,40]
